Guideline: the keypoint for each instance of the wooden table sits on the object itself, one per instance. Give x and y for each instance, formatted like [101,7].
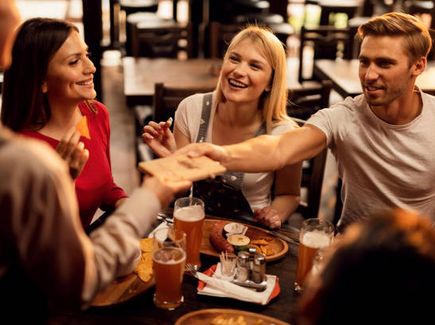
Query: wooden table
[140,75]
[141,310]
[345,79]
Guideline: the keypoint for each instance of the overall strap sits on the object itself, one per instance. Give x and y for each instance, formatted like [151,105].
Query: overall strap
[234,179]
[205,117]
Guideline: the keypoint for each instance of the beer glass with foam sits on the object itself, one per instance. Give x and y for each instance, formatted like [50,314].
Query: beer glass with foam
[169,259]
[189,217]
[315,235]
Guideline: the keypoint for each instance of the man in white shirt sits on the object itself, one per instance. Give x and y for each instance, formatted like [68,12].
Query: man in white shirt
[382,139]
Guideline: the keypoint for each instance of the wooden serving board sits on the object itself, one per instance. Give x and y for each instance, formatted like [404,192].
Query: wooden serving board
[206,316]
[121,289]
[276,244]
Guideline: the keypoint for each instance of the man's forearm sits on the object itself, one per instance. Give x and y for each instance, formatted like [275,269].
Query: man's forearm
[260,154]
[272,152]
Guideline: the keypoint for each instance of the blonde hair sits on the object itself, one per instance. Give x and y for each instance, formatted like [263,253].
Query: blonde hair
[396,24]
[274,101]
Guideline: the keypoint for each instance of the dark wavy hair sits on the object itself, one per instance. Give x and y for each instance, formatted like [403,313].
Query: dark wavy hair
[25,106]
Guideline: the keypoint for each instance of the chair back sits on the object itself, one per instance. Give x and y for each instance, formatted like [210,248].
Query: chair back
[328,42]
[166,99]
[307,100]
[222,34]
[311,184]
[220,37]
[164,38]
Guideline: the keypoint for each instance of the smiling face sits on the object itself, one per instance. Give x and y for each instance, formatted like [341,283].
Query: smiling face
[245,74]
[70,73]
[385,70]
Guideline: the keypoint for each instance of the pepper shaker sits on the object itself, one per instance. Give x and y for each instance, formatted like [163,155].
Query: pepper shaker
[259,268]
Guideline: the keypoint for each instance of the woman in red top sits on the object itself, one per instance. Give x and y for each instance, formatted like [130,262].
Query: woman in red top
[49,95]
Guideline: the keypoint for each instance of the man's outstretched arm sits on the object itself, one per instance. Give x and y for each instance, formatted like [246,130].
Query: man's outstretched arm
[264,153]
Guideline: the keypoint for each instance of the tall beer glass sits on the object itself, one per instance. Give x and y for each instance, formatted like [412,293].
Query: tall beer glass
[169,258]
[315,234]
[189,217]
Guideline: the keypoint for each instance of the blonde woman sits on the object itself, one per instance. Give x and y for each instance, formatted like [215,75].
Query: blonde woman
[249,100]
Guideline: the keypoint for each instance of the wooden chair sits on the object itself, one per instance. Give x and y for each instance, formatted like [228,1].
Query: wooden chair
[311,184]
[222,34]
[220,37]
[305,101]
[328,42]
[166,99]
[165,38]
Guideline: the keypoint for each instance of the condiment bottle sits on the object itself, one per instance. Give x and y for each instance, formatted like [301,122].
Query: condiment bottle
[259,268]
[243,268]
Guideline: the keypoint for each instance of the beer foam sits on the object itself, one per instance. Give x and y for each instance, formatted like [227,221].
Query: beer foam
[169,255]
[190,213]
[316,239]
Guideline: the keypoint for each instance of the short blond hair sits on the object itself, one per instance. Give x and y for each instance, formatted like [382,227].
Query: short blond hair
[396,24]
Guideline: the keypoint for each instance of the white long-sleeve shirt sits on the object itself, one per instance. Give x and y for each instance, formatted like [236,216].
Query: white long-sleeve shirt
[45,256]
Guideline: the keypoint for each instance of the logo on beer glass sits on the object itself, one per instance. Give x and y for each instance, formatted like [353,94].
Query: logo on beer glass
[315,235]
[189,217]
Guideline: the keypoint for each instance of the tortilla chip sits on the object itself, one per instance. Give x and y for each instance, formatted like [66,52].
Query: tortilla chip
[259,242]
[82,127]
[144,269]
[146,245]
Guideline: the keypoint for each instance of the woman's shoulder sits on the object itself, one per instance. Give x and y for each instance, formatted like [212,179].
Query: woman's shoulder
[192,103]
[283,126]
[195,98]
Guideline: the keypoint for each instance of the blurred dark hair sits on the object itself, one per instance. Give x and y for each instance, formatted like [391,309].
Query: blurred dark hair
[24,105]
[382,272]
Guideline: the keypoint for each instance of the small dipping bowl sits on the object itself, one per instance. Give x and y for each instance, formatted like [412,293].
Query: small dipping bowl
[234,228]
[239,242]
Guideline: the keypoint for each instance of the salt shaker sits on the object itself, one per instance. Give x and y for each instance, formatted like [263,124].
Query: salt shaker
[259,268]
[243,269]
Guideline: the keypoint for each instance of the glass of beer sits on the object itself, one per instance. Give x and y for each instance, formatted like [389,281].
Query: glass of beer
[169,259]
[315,235]
[189,217]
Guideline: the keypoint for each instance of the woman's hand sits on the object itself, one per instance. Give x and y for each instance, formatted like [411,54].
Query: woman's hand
[73,152]
[165,190]
[269,217]
[159,138]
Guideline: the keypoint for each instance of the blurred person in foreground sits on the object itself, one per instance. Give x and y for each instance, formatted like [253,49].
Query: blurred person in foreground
[46,260]
[249,100]
[379,272]
[55,103]
[382,139]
